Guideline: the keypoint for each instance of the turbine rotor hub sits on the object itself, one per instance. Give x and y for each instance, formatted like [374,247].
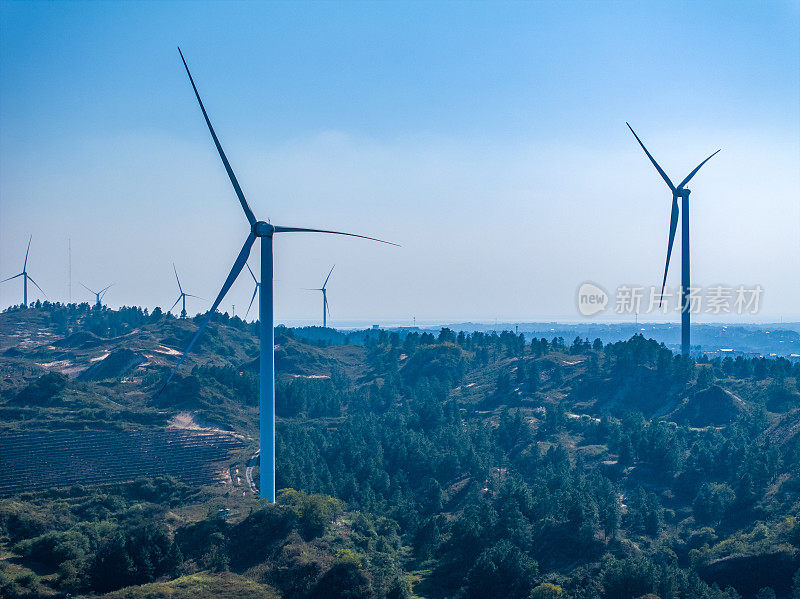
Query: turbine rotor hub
[262,229]
[684,193]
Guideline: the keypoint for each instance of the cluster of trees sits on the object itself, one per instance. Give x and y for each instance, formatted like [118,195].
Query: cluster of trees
[41,391]
[93,540]
[758,369]
[409,450]
[568,477]
[66,318]
[101,542]
[100,320]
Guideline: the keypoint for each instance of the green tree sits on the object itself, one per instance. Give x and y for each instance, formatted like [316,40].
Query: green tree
[502,571]
[344,580]
[705,377]
[713,501]
[547,590]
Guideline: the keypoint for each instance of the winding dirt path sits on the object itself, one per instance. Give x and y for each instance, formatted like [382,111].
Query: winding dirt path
[248,473]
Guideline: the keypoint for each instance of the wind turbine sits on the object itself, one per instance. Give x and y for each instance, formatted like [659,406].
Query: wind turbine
[325,309]
[25,277]
[183,295]
[258,286]
[98,294]
[678,192]
[264,231]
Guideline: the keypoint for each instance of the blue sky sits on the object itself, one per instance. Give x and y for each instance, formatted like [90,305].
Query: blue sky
[488,139]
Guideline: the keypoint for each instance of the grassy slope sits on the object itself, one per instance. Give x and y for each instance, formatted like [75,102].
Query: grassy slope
[203,585]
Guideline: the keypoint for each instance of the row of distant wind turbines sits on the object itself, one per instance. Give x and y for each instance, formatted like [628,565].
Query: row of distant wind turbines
[26,277]
[325,308]
[182,295]
[265,231]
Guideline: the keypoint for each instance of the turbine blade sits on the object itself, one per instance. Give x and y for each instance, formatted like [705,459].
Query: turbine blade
[694,172]
[247,212]
[176,303]
[87,289]
[304,230]
[176,278]
[328,277]
[237,268]
[25,265]
[653,160]
[195,296]
[37,286]
[106,289]
[673,225]
[251,273]
[14,277]
[255,291]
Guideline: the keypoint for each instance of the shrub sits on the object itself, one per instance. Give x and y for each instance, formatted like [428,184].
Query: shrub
[712,501]
[43,391]
[502,571]
[345,580]
[314,512]
[547,591]
[53,548]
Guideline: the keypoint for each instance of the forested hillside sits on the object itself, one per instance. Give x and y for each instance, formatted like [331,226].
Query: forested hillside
[452,464]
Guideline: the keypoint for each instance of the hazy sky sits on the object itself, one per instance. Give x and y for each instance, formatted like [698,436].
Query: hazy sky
[488,139]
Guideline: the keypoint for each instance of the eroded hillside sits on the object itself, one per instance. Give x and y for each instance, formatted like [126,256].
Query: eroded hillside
[498,465]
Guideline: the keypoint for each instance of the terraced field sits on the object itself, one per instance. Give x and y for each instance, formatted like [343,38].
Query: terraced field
[33,460]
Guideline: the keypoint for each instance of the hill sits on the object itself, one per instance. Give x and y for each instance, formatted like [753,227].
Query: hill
[198,586]
[468,464]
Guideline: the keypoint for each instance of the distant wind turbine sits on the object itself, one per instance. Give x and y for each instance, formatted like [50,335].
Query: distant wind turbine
[678,192]
[325,308]
[264,231]
[255,291]
[183,295]
[25,277]
[98,294]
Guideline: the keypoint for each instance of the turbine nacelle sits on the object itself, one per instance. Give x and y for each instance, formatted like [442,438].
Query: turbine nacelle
[262,229]
[678,191]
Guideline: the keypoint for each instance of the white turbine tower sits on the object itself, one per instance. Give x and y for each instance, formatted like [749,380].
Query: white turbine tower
[683,193]
[98,295]
[264,231]
[183,295]
[25,277]
[325,308]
